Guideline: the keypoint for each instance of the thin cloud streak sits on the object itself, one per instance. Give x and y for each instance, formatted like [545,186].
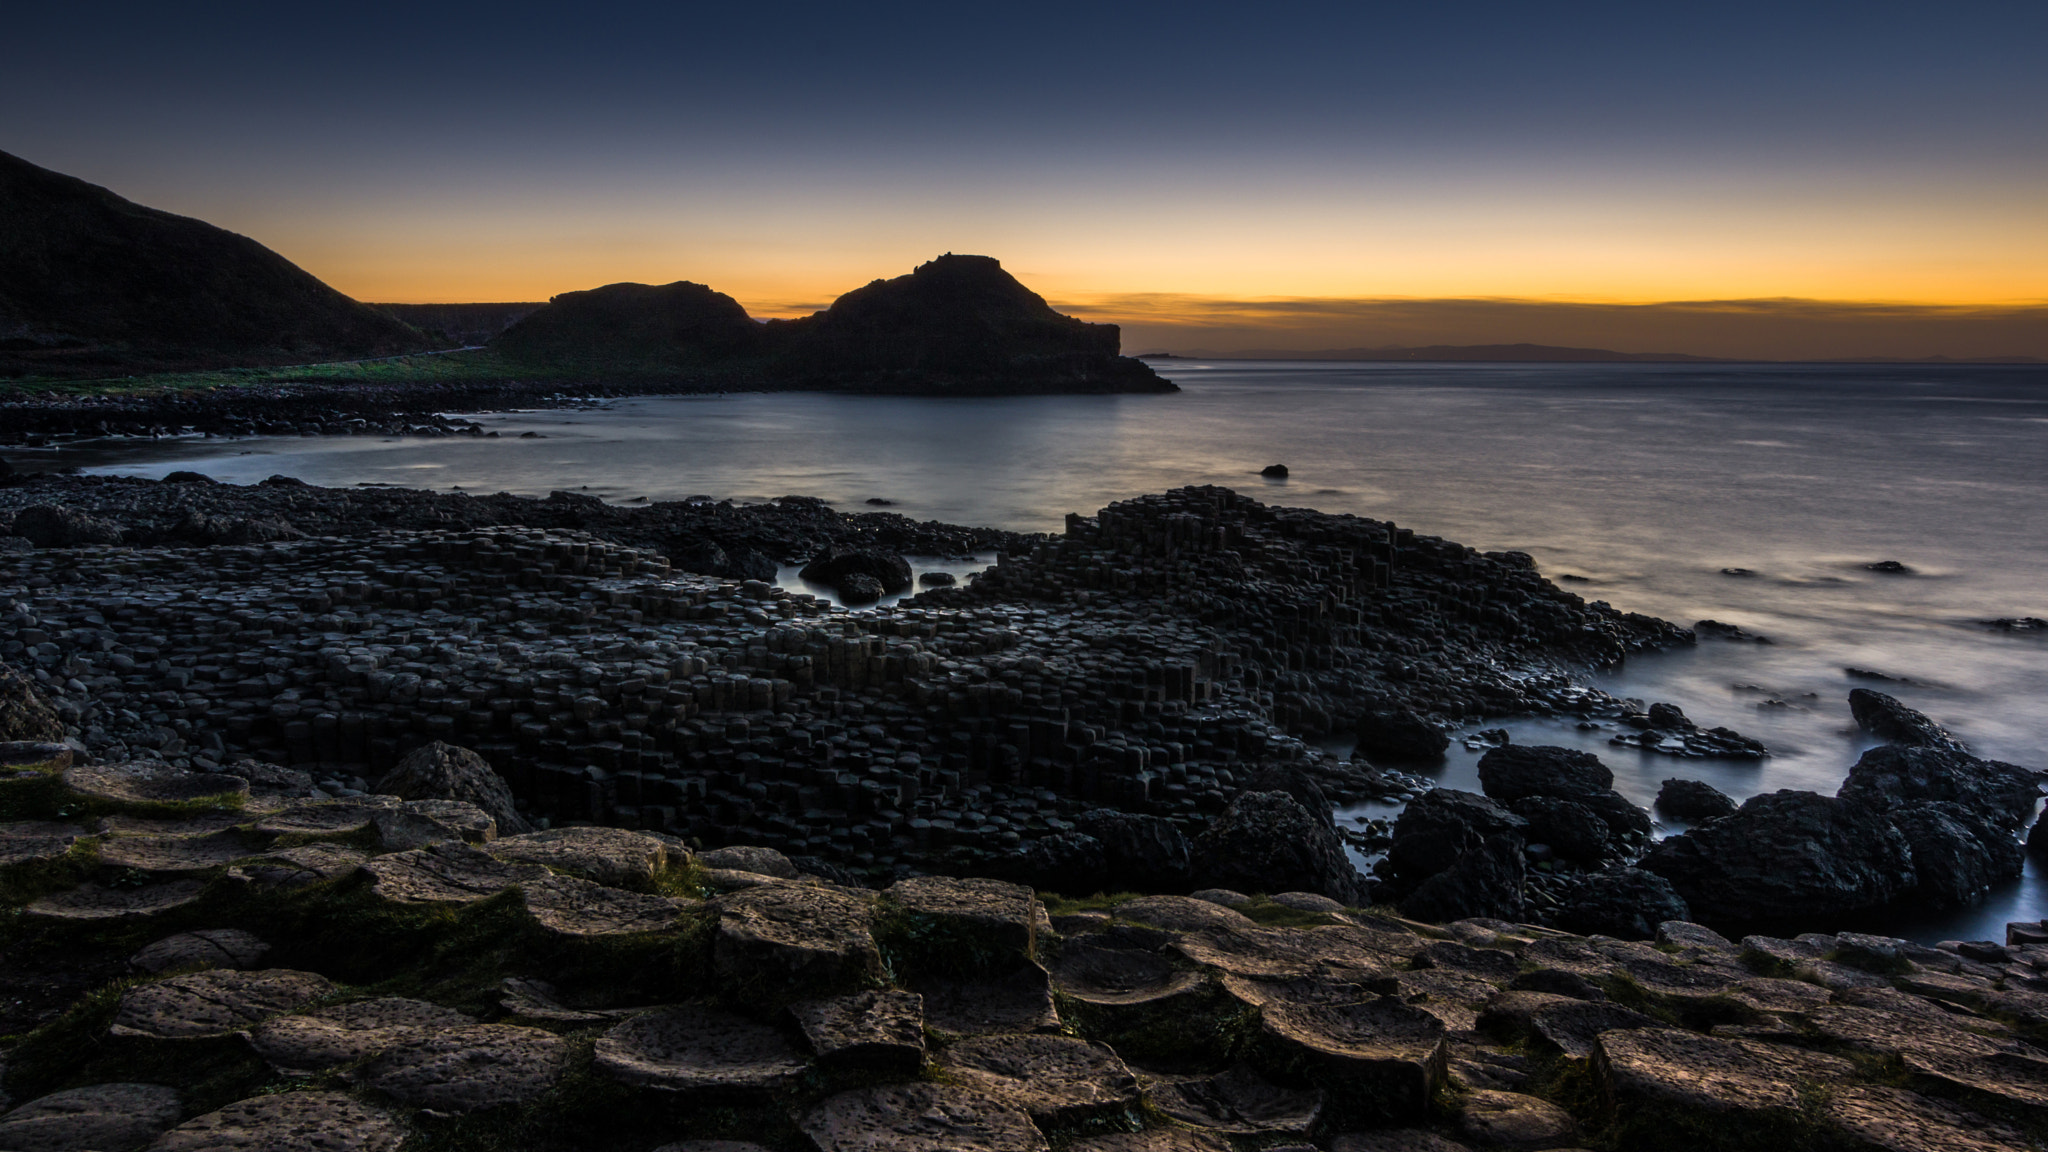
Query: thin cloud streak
[1762,329]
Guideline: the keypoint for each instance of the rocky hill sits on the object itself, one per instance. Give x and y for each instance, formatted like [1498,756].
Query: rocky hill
[955,325]
[92,284]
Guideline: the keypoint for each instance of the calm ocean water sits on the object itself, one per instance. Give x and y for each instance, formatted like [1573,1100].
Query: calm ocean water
[1645,480]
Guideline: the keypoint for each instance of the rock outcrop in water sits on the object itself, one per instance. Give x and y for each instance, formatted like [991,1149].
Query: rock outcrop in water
[957,325]
[93,285]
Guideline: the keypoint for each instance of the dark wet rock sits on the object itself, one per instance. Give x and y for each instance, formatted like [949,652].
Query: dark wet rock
[1626,903]
[214,1003]
[1016,1000]
[210,948]
[1266,841]
[1886,718]
[1274,471]
[796,941]
[889,572]
[612,856]
[418,823]
[2025,624]
[1387,1052]
[1139,853]
[1054,1079]
[1395,1140]
[347,1033]
[1107,976]
[1788,855]
[1957,854]
[1438,827]
[920,1117]
[1569,1024]
[1896,775]
[860,588]
[1725,631]
[50,526]
[1693,801]
[936,580]
[441,771]
[1400,735]
[539,1000]
[1521,770]
[700,1050]
[289,1122]
[449,872]
[29,754]
[1486,880]
[1516,1120]
[1572,829]
[1239,1102]
[1889,567]
[467,1068]
[92,903]
[25,716]
[99,1117]
[747,858]
[1154,1140]
[881,1031]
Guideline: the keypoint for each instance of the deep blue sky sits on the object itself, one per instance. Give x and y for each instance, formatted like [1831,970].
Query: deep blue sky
[1591,151]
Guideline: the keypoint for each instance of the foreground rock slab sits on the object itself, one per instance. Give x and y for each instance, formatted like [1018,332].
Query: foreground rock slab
[470,1068]
[102,1116]
[214,1003]
[288,1122]
[347,1033]
[1056,1079]
[700,1050]
[921,1118]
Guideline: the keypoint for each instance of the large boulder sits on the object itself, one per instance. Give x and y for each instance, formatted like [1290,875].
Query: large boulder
[1900,775]
[1693,801]
[1439,826]
[1486,880]
[1139,853]
[1957,854]
[1517,770]
[24,714]
[1626,903]
[51,526]
[1786,856]
[1267,842]
[834,566]
[1399,734]
[1892,722]
[445,772]
[1572,829]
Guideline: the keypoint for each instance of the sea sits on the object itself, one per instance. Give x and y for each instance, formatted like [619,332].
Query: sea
[1756,495]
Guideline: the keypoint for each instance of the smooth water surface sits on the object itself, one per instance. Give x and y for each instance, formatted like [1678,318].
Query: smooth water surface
[1644,480]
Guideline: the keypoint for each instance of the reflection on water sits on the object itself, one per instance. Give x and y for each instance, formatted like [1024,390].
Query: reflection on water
[1643,481]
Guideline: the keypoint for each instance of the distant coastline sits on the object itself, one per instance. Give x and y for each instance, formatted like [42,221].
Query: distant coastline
[1549,354]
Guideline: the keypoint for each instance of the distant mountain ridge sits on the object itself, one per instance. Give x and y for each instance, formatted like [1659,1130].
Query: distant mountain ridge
[955,325]
[1501,353]
[90,282]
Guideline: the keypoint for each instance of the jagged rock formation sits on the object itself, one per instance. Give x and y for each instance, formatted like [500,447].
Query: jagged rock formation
[765,1011]
[956,325]
[91,284]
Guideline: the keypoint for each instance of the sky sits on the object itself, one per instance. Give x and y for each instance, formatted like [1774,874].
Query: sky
[1776,179]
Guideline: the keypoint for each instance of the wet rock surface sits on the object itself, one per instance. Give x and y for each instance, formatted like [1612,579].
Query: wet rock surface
[102,1116]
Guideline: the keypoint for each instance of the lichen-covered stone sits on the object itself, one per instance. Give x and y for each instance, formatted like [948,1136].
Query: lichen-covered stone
[99,1118]
[90,902]
[796,940]
[173,856]
[920,1117]
[611,856]
[1017,1000]
[288,1122]
[470,1068]
[877,1030]
[696,1049]
[1181,913]
[214,1003]
[449,872]
[1650,1073]
[150,782]
[1516,1120]
[571,907]
[208,948]
[36,841]
[347,1033]
[1239,1102]
[1055,1079]
[300,867]
[1388,1056]
[988,918]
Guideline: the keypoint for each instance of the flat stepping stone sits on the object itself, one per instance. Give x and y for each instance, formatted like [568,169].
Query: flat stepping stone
[751,859]
[1181,914]
[1396,1140]
[1055,1079]
[536,1000]
[796,938]
[1016,1001]
[2018,1079]
[571,907]
[1454,997]
[418,823]
[108,1117]
[198,824]
[881,1031]
[170,857]
[214,1003]
[1155,1140]
[691,1048]
[288,1122]
[1898,1121]
[300,867]
[1239,1102]
[90,902]
[325,817]
[1383,1046]
[1335,952]
[470,1068]
[26,755]
[1306,902]
[1651,1073]
[446,873]
[1572,1025]
[611,856]
[36,841]
[210,948]
[1515,1120]
[147,782]
[1120,977]
[347,1033]
[920,1117]
[1254,993]
[986,918]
